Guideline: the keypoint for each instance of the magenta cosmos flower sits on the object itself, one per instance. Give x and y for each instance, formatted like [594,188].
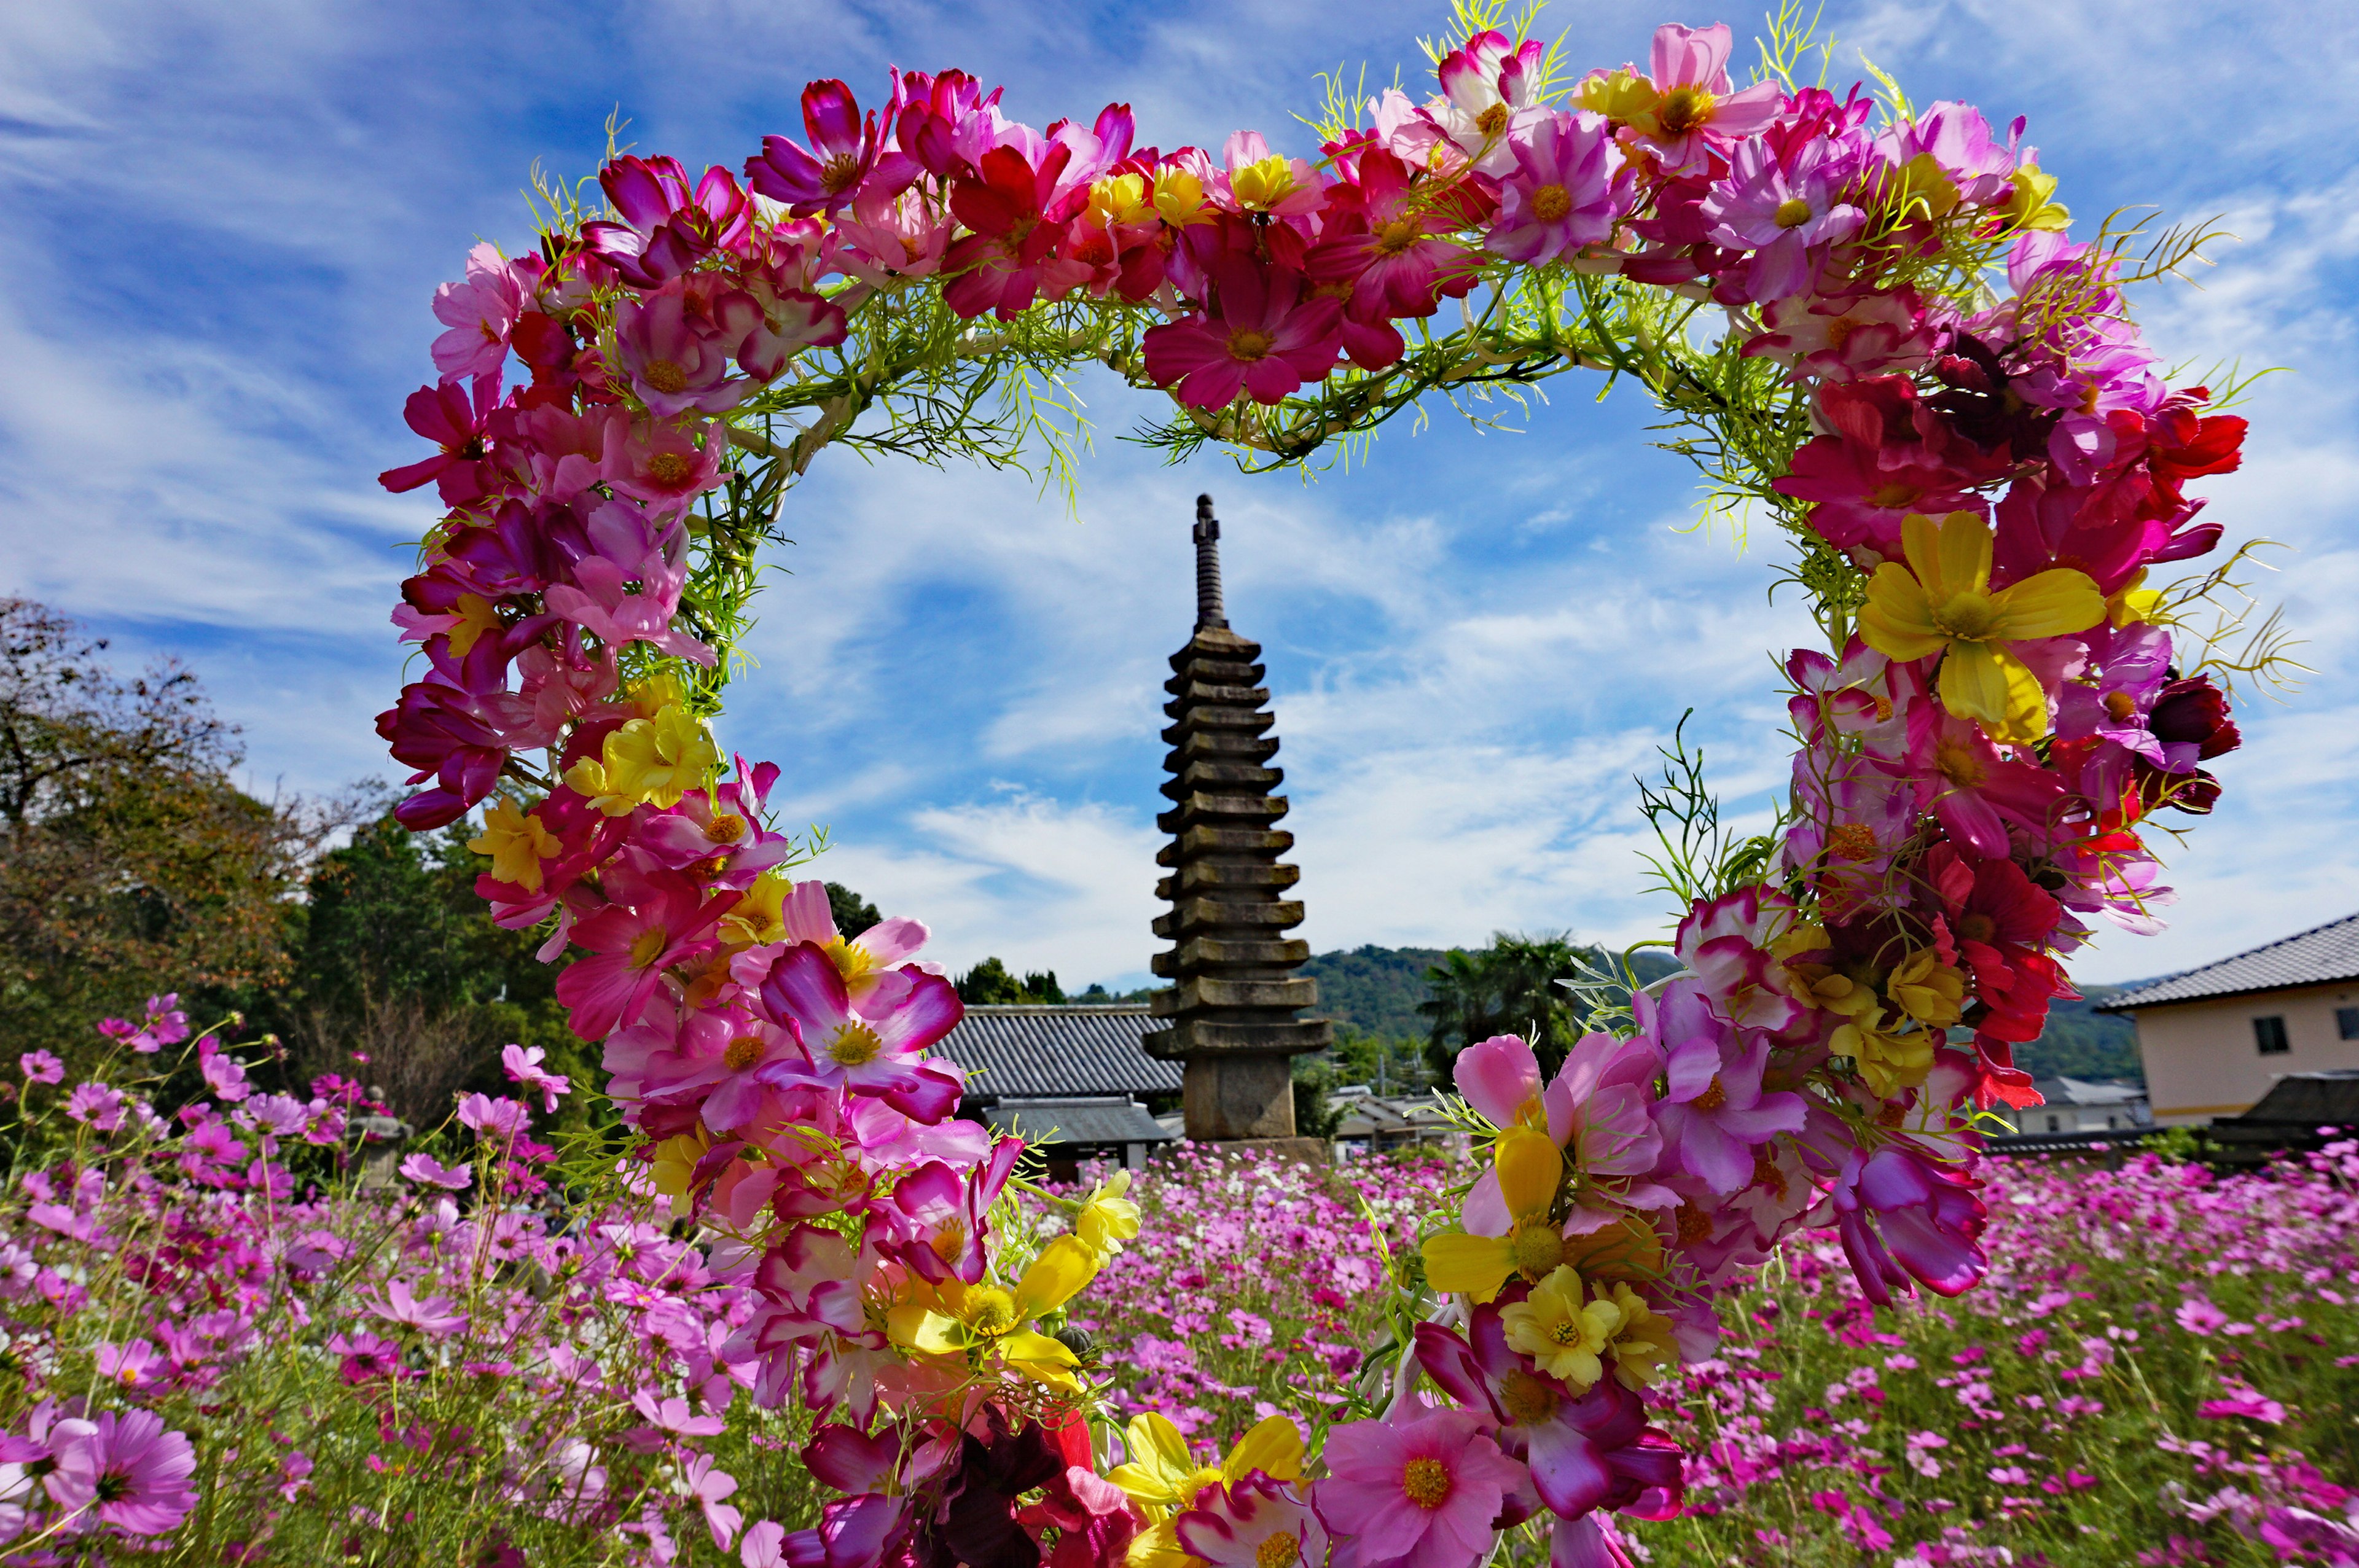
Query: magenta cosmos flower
[1567,188]
[1260,335]
[873,1055]
[843,149]
[1418,1493]
[1785,210]
[126,1467]
[1254,1523]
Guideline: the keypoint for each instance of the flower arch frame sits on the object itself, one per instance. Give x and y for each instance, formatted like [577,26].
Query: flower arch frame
[1866,318]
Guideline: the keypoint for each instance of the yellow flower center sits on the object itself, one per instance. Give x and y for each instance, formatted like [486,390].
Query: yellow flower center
[664,376]
[1958,764]
[669,468]
[1894,494]
[1792,213]
[742,1053]
[950,1239]
[1851,841]
[1977,927]
[1694,1225]
[1526,1397]
[1968,616]
[1491,120]
[1427,1482]
[854,1044]
[1397,236]
[2120,705]
[1550,203]
[648,947]
[839,171]
[1278,1550]
[1682,109]
[851,962]
[1766,1174]
[1715,1095]
[990,1311]
[1248,345]
[1539,1247]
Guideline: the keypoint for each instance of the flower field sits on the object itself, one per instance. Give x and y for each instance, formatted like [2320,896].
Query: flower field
[2162,1368]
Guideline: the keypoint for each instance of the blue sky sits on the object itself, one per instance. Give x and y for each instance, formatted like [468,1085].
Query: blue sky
[225,221]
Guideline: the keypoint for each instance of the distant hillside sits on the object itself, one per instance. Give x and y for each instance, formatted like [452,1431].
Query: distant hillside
[1377,989]
[2079,1043]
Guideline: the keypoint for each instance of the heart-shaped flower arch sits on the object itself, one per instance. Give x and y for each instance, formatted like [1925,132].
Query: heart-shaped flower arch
[1978,482]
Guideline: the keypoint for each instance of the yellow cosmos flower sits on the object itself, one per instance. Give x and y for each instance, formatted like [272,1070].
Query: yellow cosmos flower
[516,841]
[1263,183]
[1119,198]
[1620,95]
[655,759]
[675,1163]
[1164,1479]
[761,915]
[1108,1219]
[1941,602]
[1926,990]
[2028,205]
[954,1318]
[1180,198]
[1888,1061]
[1570,1332]
[1530,1169]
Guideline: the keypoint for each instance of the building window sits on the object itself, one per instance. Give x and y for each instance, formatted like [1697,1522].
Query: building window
[2346,1023]
[2055,1124]
[2269,1034]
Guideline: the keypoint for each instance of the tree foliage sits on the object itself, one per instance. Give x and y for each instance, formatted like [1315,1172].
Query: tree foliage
[130,860]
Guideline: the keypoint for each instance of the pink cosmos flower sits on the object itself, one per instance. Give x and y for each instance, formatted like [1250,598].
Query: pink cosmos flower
[709,1486]
[1696,113]
[1785,210]
[1417,1491]
[1257,334]
[1583,1451]
[1489,98]
[1725,941]
[1845,336]
[480,311]
[946,1213]
[883,238]
[1714,1112]
[2197,1316]
[523,1066]
[2244,1400]
[867,1054]
[678,359]
[96,1104]
[127,1468]
[1011,205]
[1974,789]
[134,1363]
[495,1120]
[1240,1526]
[1395,242]
[660,463]
[1903,1215]
[1866,696]
[827,177]
[427,1170]
[453,417]
[667,227]
[665,921]
[431,1318]
[41,1068]
[224,1074]
[1567,187]
[1886,454]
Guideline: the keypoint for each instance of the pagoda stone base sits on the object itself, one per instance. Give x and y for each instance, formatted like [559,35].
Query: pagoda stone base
[1228,1097]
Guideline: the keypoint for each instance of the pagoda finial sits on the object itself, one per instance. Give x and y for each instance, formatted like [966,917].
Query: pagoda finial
[1210,610]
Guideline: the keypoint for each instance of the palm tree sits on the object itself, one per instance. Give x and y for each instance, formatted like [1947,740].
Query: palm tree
[1508,987]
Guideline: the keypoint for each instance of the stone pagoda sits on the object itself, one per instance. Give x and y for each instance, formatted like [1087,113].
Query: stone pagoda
[1235,1005]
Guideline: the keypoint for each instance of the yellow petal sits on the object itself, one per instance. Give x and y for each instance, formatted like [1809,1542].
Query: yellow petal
[1629,1249]
[1459,1264]
[912,1325]
[2026,719]
[1531,1167]
[1897,620]
[2055,603]
[1158,1458]
[1274,1447]
[1058,1275]
[1975,684]
[1965,555]
[1920,546]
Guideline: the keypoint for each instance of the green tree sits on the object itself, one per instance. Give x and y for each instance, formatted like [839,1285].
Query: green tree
[1508,987]
[989,984]
[854,914]
[396,962]
[130,861]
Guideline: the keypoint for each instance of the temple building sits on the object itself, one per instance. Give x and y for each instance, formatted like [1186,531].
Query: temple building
[1233,1013]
